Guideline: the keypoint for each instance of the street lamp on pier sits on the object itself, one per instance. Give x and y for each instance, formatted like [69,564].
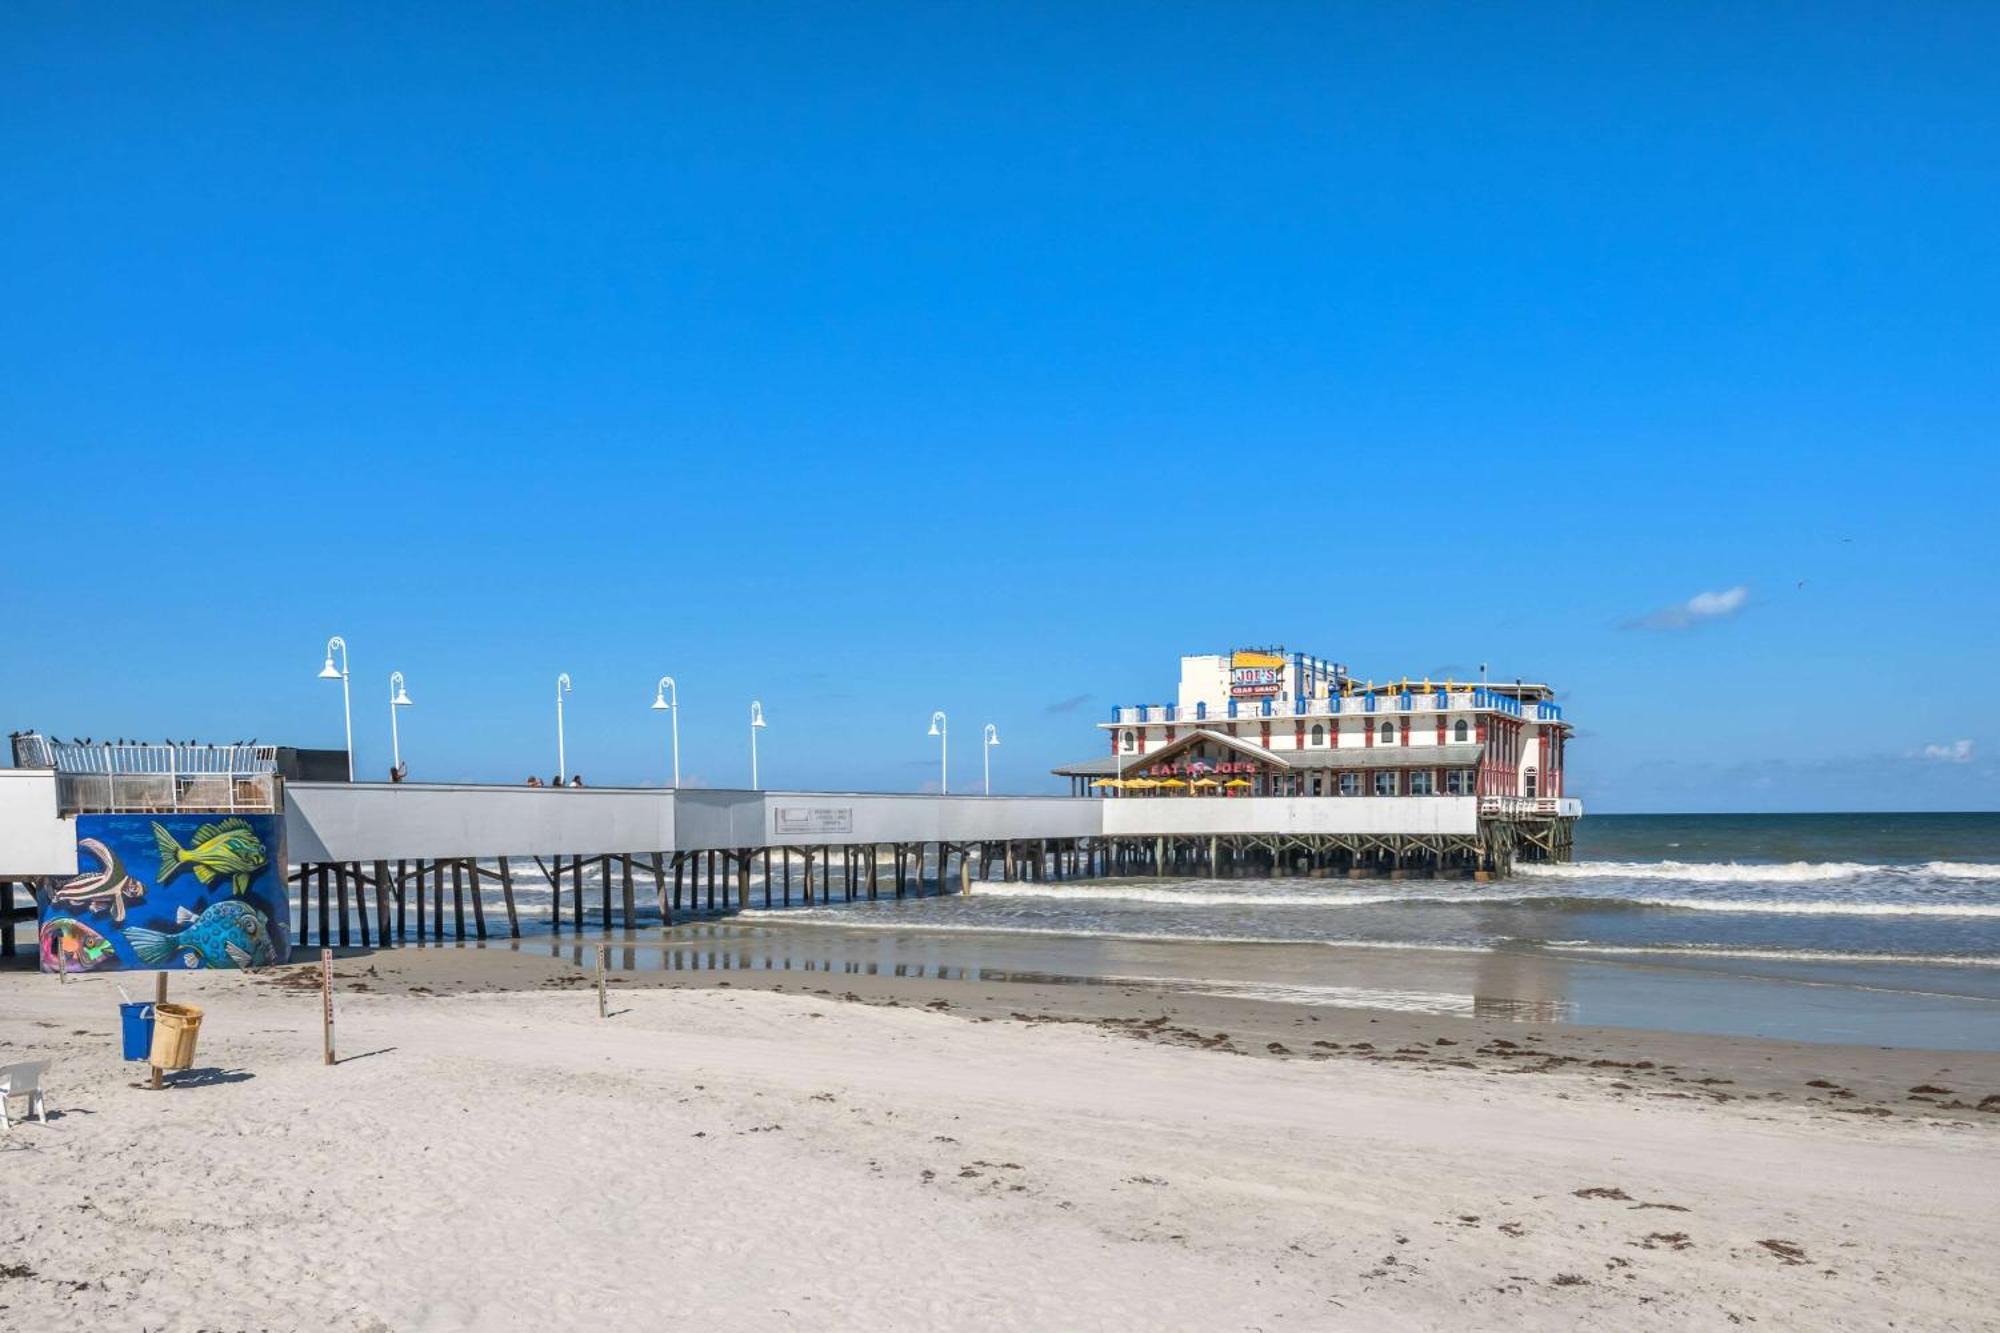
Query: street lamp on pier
[941,729]
[756,725]
[667,696]
[987,741]
[398,698]
[328,672]
[562,758]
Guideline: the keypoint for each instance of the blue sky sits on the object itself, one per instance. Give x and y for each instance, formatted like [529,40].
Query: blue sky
[988,358]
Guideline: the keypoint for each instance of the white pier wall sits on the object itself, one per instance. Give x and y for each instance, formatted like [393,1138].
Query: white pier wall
[1291,814]
[34,839]
[340,821]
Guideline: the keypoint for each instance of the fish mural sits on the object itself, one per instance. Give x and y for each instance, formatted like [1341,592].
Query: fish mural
[169,890]
[226,934]
[70,946]
[230,849]
[106,889]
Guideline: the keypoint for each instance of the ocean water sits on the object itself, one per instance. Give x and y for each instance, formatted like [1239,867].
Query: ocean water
[1891,888]
[1865,929]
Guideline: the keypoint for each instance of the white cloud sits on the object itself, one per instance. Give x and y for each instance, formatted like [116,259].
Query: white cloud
[1696,609]
[1958,752]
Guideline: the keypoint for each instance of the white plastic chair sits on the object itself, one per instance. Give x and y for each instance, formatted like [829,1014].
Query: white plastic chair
[24,1080]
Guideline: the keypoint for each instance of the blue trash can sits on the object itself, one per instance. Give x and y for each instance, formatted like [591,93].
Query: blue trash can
[137,1020]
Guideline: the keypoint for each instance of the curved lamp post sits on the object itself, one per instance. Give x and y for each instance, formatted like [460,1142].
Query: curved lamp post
[987,741]
[756,725]
[941,729]
[328,672]
[562,759]
[398,698]
[669,698]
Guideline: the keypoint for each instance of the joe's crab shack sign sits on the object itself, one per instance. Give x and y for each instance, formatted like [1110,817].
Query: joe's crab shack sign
[1196,768]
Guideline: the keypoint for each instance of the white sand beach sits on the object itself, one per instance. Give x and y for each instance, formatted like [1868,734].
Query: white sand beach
[737,1159]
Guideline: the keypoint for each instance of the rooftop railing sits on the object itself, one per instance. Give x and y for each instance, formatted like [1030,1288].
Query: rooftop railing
[1411,701]
[157,779]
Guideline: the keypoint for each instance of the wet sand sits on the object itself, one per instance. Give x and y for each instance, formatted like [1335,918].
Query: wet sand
[1833,1080]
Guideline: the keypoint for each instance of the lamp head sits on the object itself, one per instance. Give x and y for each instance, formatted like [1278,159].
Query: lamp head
[660,702]
[402,699]
[992,734]
[756,713]
[327,672]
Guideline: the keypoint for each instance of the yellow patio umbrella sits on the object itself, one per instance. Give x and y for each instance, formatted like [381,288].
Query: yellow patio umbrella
[1172,782]
[1141,784]
[1107,782]
[1204,782]
[1237,782]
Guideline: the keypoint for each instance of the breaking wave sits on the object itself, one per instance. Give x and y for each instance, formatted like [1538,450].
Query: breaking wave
[1734,872]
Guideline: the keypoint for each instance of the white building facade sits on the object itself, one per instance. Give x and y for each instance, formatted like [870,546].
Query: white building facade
[1266,722]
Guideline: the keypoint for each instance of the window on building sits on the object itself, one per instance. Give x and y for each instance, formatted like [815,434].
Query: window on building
[1318,734]
[1385,782]
[1350,784]
[1126,743]
[1458,782]
[1528,782]
[1421,783]
[1388,733]
[1459,730]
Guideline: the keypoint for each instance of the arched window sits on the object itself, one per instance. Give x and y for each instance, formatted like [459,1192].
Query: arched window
[1528,782]
[1318,734]
[1459,730]
[1388,733]
[1125,742]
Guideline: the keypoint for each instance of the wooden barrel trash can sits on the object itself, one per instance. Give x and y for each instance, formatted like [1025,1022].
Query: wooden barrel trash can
[174,1029]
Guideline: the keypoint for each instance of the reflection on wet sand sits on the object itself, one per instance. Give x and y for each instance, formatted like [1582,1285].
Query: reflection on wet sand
[1523,986]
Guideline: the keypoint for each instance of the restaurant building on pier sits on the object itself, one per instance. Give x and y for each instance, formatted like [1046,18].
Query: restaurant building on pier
[1266,722]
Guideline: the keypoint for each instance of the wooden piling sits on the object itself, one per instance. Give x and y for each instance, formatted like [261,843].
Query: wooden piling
[382,903]
[660,888]
[423,927]
[360,902]
[324,933]
[304,919]
[576,892]
[767,879]
[680,864]
[457,898]
[604,890]
[473,872]
[507,892]
[786,853]
[437,901]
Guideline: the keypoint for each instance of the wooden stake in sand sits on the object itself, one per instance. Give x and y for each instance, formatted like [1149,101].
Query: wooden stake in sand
[601,949]
[326,1003]
[159,998]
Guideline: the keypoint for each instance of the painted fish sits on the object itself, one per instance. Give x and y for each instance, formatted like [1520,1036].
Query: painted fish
[225,849]
[226,934]
[105,889]
[70,946]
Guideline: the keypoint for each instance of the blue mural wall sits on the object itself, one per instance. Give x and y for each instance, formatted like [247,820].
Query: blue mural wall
[169,892]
